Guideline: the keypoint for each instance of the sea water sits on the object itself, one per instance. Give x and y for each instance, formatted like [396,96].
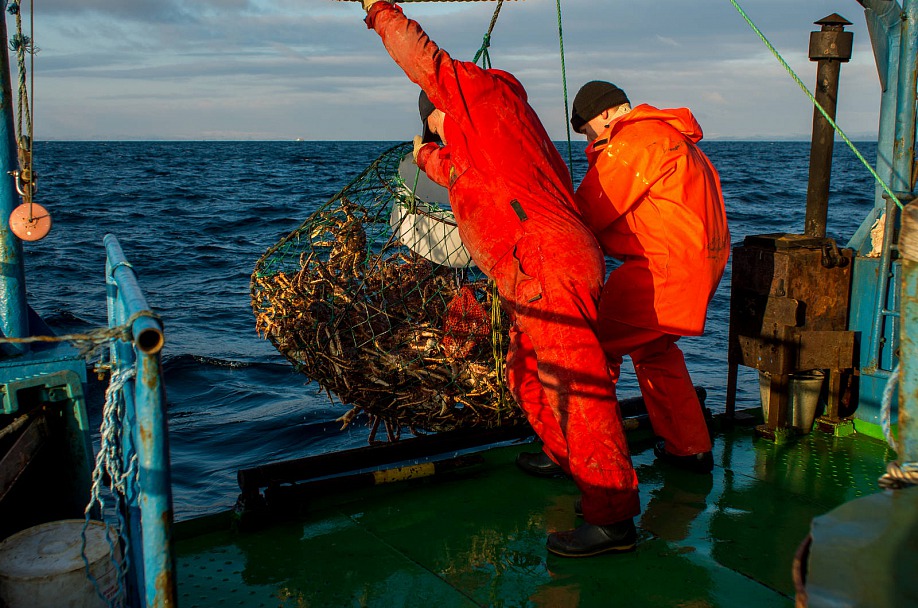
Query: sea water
[194,217]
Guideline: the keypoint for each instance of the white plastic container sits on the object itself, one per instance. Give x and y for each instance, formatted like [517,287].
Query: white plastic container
[430,235]
[42,567]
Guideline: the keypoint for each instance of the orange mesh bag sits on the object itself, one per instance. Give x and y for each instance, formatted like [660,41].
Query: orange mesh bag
[466,324]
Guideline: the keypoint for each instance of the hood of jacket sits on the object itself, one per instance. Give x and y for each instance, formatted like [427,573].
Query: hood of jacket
[681,119]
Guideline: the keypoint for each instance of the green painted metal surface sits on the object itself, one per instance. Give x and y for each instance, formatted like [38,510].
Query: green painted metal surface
[478,538]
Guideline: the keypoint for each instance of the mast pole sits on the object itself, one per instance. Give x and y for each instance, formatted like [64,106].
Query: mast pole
[14,321]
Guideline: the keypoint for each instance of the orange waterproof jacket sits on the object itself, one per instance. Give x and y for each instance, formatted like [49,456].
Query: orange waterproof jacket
[653,200]
[499,164]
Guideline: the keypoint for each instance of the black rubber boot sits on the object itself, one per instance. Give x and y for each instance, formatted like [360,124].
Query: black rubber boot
[589,540]
[539,464]
[702,463]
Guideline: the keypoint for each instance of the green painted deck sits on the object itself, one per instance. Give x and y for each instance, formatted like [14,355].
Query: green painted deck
[477,538]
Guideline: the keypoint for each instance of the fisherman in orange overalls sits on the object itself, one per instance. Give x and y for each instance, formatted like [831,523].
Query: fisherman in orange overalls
[653,200]
[513,201]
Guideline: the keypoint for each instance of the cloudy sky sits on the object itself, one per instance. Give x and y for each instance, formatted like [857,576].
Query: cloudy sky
[287,69]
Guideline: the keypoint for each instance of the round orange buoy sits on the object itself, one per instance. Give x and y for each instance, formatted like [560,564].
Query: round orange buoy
[30,222]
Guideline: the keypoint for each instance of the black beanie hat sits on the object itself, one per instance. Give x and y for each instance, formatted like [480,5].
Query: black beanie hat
[425,108]
[592,98]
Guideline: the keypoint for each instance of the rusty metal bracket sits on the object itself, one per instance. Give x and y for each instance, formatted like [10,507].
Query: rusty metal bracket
[831,256]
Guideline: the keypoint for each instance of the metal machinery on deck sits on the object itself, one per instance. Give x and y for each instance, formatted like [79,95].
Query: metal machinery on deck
[788,313]
[798,301]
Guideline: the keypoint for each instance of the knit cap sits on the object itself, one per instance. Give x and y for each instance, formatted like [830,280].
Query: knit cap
[592,98]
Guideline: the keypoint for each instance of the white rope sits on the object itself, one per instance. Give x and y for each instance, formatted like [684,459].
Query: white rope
[885,412]
[897,475]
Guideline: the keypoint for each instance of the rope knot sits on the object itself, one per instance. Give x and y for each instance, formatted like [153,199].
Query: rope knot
[19,42]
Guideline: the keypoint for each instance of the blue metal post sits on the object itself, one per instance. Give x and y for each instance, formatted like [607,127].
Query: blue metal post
[908,343]
[14,319]
[150,435]
[121,357]
[903,151]
[156,498]
[883,19]
[903,159]
[888,17]
[904,146]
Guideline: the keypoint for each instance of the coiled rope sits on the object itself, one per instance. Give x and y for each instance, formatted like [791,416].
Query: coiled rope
[899,476]
[815,103]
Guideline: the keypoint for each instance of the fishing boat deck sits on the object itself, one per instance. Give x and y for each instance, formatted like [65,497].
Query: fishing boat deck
[477,538]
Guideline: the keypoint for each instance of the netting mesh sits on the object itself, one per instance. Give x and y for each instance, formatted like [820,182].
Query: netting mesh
[375,298]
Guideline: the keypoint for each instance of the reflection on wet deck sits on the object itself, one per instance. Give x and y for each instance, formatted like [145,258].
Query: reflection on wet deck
[478,538]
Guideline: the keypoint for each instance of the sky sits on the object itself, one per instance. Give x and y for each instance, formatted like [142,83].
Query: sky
[310,69]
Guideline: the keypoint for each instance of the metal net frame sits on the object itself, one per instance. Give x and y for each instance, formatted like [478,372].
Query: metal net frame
[354,301]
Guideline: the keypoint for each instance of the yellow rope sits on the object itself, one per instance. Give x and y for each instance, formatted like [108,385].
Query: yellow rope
[24,44]
[497,345]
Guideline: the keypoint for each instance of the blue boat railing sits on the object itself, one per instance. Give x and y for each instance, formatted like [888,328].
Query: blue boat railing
[136,367]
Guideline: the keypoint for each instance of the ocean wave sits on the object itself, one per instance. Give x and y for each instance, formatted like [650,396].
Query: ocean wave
[177,362]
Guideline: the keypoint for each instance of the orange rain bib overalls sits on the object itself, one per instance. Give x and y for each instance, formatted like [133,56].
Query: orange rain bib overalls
[513,201]
[653,199]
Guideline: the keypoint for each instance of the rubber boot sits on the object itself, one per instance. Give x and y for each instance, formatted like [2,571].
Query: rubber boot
[589,539]
[702,463]
[539,464]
